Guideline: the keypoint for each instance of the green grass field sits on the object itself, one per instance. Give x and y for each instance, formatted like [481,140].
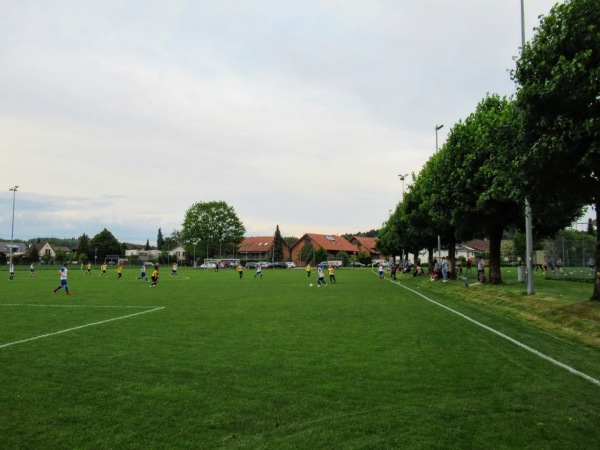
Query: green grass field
[205,361]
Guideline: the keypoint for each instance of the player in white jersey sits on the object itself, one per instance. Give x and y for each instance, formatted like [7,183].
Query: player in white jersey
[63,279]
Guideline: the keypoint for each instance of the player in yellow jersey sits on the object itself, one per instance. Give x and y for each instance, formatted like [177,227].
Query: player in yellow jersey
[120,270]
[154,276]
[331,271]
[103,267]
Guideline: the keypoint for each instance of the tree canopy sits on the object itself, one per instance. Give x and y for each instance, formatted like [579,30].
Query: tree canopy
[212,223]
[104,243]
[558,78]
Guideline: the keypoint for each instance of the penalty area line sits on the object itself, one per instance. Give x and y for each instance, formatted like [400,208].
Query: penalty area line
[80,327]
[504,336]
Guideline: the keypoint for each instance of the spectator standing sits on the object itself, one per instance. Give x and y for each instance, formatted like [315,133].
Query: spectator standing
[445,269]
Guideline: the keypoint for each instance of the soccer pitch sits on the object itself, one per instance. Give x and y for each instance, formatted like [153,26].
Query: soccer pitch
[206,360]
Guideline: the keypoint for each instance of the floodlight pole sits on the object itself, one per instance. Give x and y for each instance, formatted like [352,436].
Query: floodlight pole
[12,229]
[528,223]
[437,128]
[402,178]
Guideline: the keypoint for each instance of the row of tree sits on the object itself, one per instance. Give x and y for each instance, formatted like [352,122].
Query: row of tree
[542,144]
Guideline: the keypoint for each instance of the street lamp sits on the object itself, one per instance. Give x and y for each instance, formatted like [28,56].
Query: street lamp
[438,128]
[12,230]
[402,178]
[528,221]
[96,256]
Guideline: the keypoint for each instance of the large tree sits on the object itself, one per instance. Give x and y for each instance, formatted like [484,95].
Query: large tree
[106,244]
[484,185]
[83,247]
[558,77]
[212,224]
[278,244]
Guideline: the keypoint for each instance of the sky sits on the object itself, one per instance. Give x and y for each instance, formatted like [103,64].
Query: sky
[123,114]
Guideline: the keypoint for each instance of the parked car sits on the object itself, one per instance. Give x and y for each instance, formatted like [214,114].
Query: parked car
[356,264]
[251,265]
[206,266]
[278,265]
[379,261]
[290,265]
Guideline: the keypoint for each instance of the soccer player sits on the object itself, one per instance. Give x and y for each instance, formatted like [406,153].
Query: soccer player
[154,276]
[143,273]
[120,271]
[331,271]
[63,280]
[321,277]
[103,268]
[32,270]
[307,268]
[11,271]
[174,270]
[89,268]
[240,270]
[258,271]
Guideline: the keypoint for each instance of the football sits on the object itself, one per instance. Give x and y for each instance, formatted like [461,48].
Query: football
[310,285]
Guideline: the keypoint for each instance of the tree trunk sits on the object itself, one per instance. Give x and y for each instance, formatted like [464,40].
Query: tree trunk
[596,294]
[495,245]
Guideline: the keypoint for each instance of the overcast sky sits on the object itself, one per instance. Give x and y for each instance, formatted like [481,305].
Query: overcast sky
[122,114]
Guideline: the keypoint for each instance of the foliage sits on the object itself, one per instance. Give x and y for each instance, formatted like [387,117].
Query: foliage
[83,245]
[321,255]
[290,240]
[558,75]
[307,253]
[160,240]
[106,244]
[212,223]
[344,257]
[278,244]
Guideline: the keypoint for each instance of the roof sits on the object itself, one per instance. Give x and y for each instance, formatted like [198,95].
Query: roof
[58,248]
[330,242]
[257,244]
[367,244]
[17,247]
[482,246]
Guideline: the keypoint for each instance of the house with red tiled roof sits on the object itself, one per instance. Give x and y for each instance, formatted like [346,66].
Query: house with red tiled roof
[331,243]
[366,245]
[472,248]
[259,248]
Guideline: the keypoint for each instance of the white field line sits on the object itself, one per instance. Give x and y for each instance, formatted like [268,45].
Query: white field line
[80,306]
[508,338]
[80,327]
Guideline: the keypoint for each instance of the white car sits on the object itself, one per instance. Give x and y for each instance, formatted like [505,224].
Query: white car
[290,265]
[206,266]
